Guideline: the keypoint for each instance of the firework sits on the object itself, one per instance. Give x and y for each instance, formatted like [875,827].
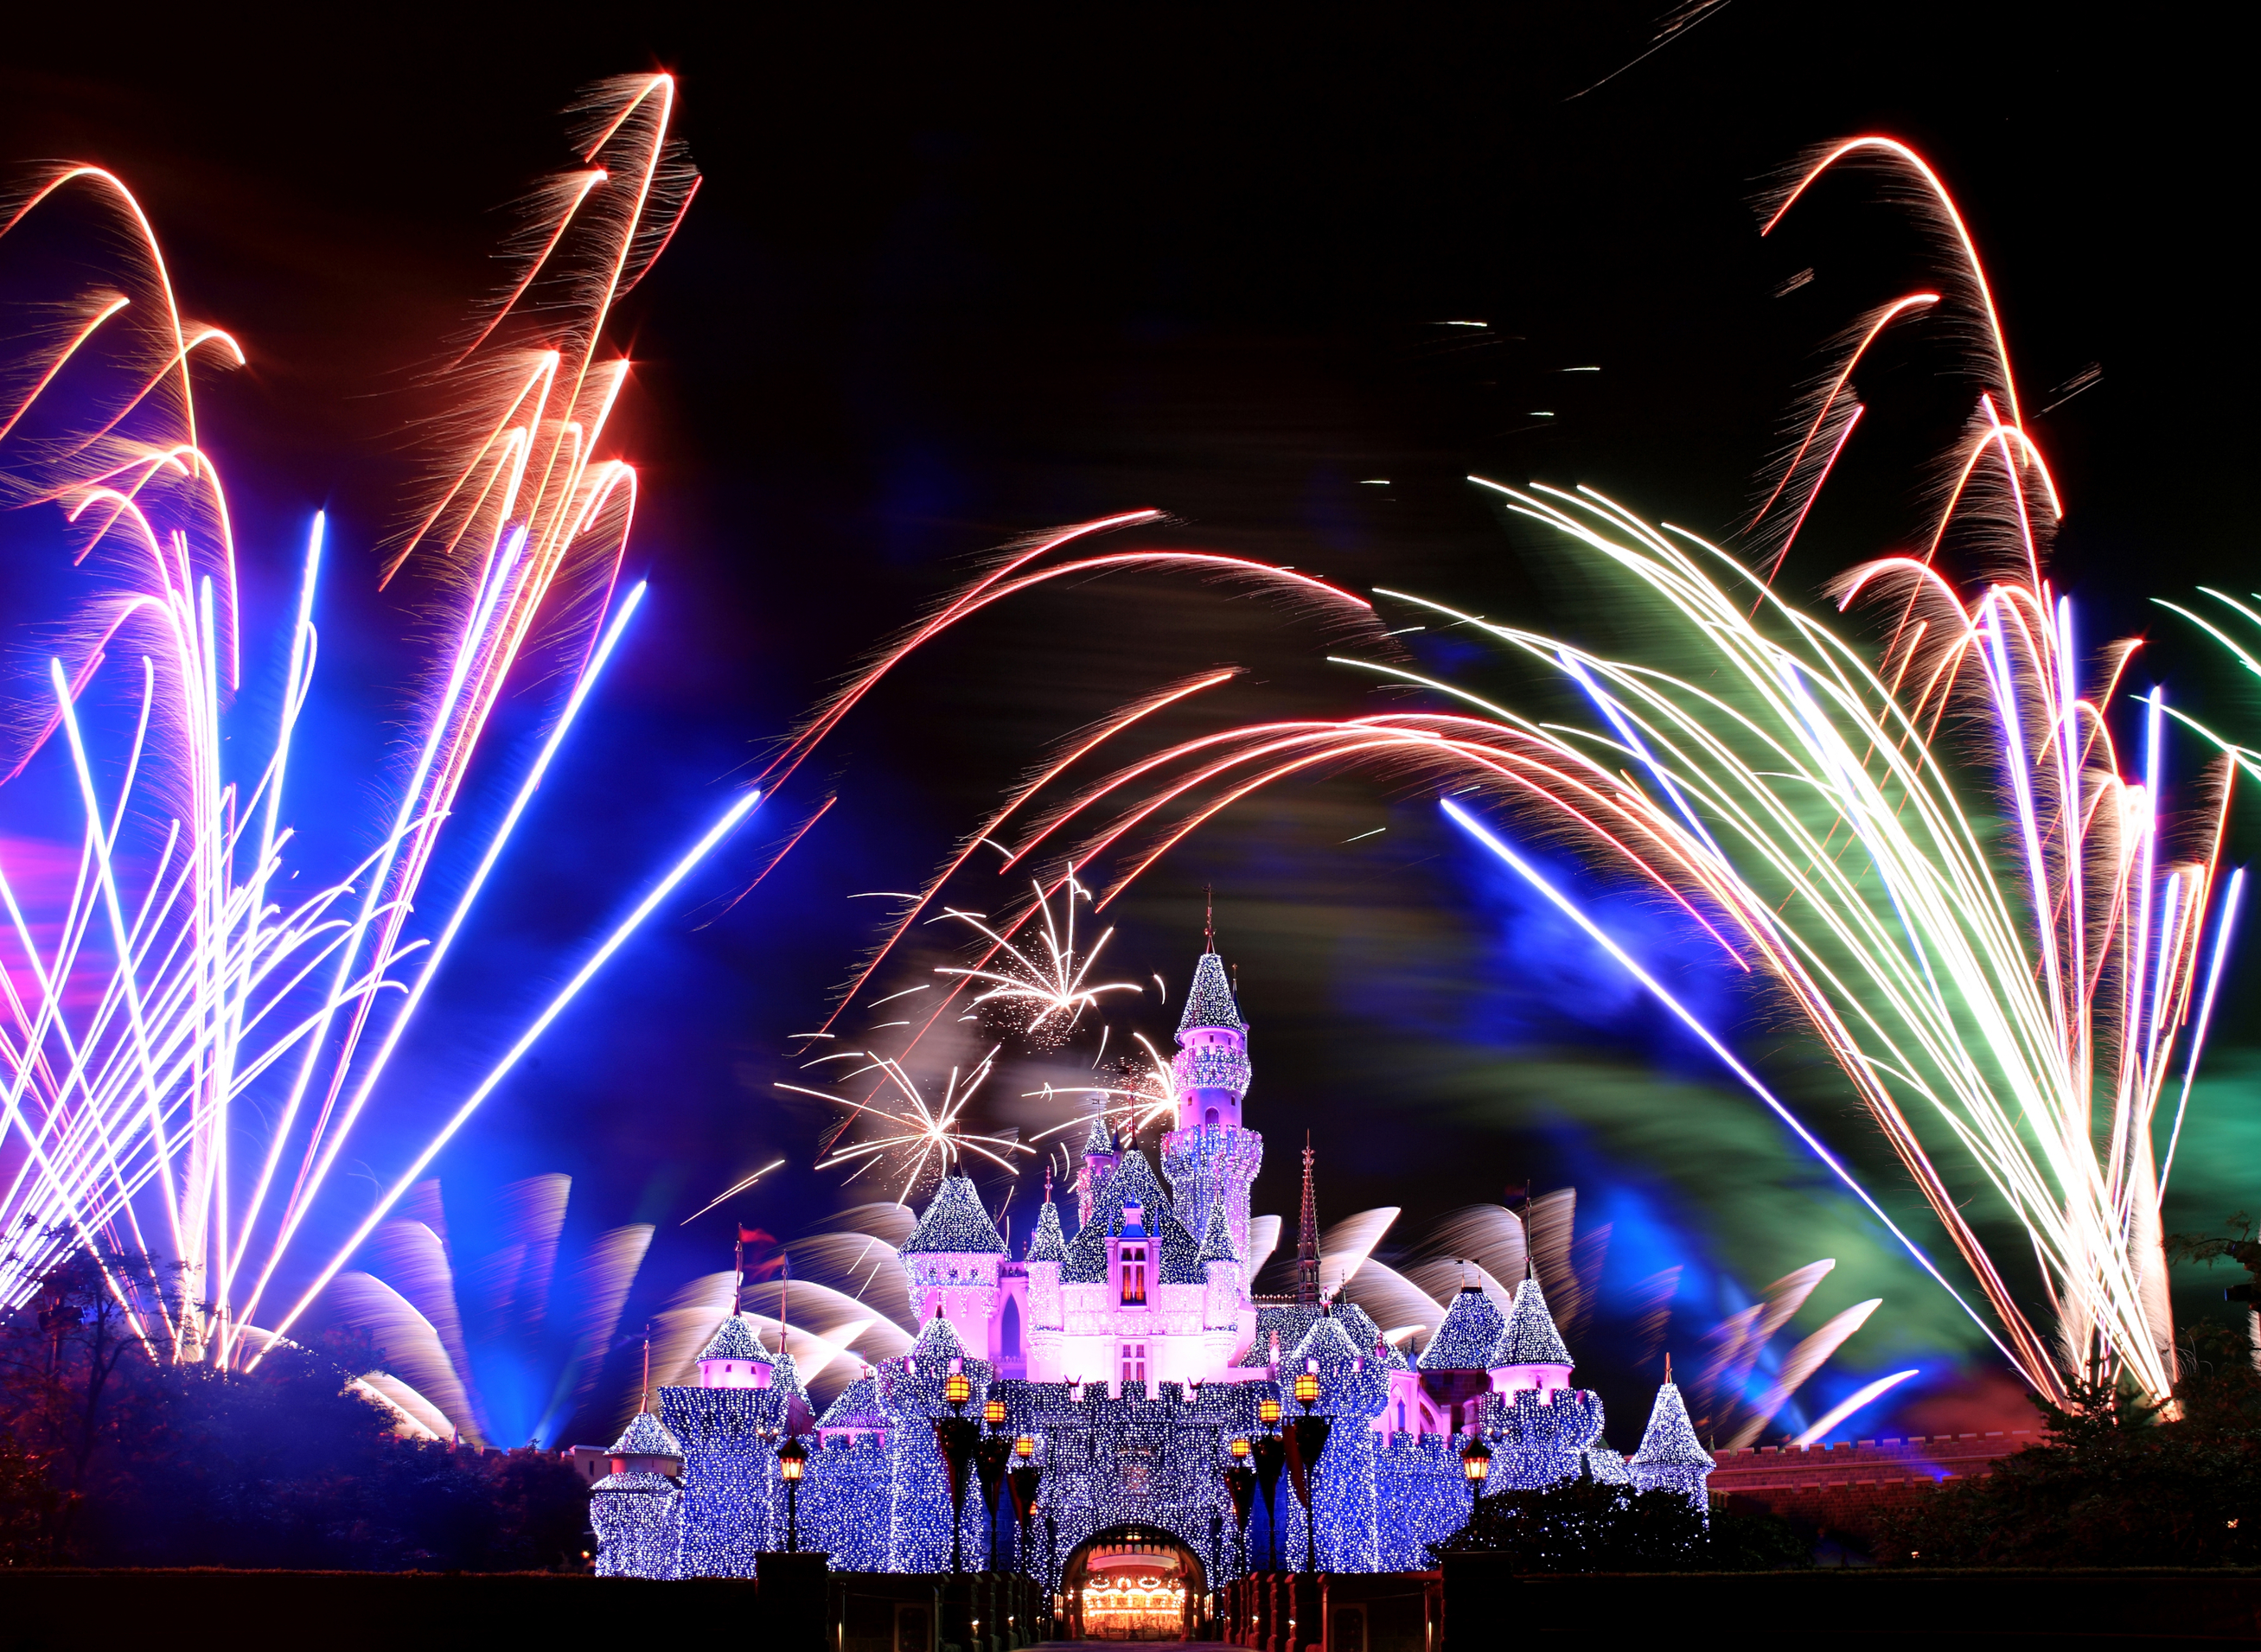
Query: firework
[900,1131]
[190,1043]
[1052,987]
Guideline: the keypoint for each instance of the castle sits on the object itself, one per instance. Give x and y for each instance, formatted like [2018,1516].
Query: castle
[1129,1357]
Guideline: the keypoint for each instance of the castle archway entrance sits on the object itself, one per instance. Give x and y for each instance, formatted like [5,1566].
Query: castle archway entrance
[1133,1583]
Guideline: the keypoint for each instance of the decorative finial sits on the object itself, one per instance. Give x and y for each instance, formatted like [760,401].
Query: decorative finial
[1209,917]
[1667,1369]
[643,1399]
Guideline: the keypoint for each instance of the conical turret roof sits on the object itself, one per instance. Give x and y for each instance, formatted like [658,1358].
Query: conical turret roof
[1669,1440]
[646,1436]
[733,1339]
[1530,1338]
[858,1406]
[1216,1238]
[1328,1343]
[955,1224]
[1359,1326]
[785,1377]
[1208,1001]
[1049,1244]
[1468,1337]
[1099,1139]
[937,1339]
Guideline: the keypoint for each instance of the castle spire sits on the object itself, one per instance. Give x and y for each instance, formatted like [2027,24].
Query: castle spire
[1307,1237]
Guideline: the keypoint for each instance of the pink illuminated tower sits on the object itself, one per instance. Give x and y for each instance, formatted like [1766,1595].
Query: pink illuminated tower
[1209,1157]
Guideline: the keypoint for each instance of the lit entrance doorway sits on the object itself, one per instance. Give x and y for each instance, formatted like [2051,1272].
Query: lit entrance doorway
[1133,1583]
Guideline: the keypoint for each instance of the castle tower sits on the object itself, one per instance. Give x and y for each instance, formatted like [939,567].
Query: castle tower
[1209,1156]
[636,1510]
[952,1259]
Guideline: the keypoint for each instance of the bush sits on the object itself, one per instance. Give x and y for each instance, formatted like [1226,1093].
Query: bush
[107,1458]
[2111,1484]
[1582,1525]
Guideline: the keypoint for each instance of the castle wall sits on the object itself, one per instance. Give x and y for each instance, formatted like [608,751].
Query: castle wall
[845,1503]
[733,1503]
[638,1520]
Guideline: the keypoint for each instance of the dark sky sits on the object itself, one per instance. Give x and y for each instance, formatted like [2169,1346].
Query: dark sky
[948,282]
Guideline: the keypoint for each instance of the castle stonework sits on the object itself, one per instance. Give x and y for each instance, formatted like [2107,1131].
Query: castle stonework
[1131,1353]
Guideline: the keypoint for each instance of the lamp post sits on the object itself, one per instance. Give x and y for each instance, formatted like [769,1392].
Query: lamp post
[1240,1485]
[1271,1453]
[955,1436]
[1027,1474]
[991,1457]
[793,1457]
[1476,1463]
[1308,1436]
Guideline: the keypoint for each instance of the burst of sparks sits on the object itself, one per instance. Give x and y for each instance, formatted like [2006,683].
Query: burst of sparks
[1051,985]
[1142,1095]
[900,1131]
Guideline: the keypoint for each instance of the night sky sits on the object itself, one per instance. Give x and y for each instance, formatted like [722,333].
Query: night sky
[947,286]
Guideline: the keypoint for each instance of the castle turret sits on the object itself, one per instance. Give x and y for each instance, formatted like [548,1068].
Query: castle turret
[636,1510]
[952,1257]
[1531,1353]
[785,1382]
[1670,1456]
[1221,1303]
[1100,1155]
[1442,1395]
[1209,1156]
[1212,1066]
[734,1357]
[1047,1250]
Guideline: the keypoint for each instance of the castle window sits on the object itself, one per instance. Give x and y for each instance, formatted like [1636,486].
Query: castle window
[1009,1330]
[1134,1275]
[1134,1362]
[1210,1117]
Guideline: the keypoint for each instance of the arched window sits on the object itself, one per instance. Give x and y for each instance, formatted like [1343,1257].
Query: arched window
[1009,1330]
[1210,1117]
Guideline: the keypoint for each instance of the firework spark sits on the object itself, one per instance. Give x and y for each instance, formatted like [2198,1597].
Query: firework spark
[1052,986]
[1142,1095]
[900,1131]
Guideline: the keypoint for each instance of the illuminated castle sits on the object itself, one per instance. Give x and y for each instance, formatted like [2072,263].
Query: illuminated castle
[1130,1355]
